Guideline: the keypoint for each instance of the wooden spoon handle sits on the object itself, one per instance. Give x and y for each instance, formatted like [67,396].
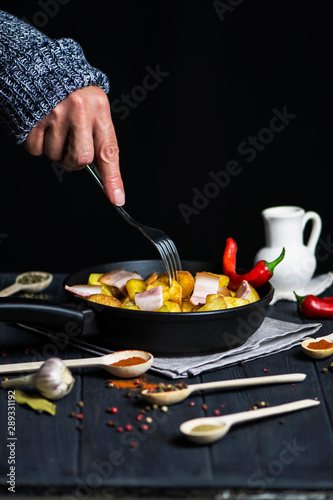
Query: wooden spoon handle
[267,412]
[243,382]
[9,290]
[35,365]
[20,367]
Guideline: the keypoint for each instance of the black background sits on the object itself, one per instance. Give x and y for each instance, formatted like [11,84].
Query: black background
[226,72]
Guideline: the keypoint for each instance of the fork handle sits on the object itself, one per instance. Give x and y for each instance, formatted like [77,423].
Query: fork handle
[92,169]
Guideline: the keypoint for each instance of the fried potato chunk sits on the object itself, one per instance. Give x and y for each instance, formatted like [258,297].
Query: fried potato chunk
[134,286]
[152,277]
[187,306]
[254,295]
[214,302]
[105,300]
[235,302]
[170,307]
[173,292]
[93,278]
[186,281]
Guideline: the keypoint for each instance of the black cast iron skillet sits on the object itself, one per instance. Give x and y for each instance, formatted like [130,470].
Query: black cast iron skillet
[159,333]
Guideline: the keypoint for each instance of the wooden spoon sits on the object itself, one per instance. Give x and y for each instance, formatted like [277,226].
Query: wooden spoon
[221,425]
[175,396]
[31,287]
[318,353]
[106,362]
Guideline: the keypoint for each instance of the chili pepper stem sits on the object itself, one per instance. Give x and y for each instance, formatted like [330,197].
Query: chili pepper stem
[272,265]
[299,299]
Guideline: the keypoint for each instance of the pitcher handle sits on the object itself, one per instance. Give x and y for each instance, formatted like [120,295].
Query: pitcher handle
[315,231]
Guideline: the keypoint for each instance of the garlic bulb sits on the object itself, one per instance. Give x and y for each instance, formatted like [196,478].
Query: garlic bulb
[53,380]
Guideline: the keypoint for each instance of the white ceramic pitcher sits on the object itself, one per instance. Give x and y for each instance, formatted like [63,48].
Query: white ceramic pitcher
[284,227]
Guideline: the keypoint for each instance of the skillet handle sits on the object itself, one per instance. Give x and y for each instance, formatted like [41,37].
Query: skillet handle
[76,320]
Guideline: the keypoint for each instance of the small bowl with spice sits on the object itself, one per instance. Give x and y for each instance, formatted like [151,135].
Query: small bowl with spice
[319,348]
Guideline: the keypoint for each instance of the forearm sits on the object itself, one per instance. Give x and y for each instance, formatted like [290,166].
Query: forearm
[36,73]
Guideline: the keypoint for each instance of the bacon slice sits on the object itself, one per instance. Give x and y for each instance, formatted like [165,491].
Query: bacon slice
[84,290]
[205,284]
[244,290]
[151,300]
[118,278]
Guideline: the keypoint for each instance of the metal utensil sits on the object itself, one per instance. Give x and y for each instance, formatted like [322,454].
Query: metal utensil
[158,238]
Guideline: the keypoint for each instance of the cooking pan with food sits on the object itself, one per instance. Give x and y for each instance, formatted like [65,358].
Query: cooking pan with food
[161,333]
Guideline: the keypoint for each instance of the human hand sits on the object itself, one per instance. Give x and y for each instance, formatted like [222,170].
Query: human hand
[78,131]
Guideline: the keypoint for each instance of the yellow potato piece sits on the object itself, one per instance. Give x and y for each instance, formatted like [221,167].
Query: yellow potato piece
[93,278]
[163,309]
[133,308]
[187,306]
[105,300]
[186,281]
[173,293]
[134,286]
[127,302]
[152,277]
[214,302]
[172,306]
[106,290]
[235,302]
[254,295]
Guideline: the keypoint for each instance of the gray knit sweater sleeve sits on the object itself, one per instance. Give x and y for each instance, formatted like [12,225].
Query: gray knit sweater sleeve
[36,73]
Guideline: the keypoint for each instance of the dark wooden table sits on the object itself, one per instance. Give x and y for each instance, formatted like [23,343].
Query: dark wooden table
[287,457]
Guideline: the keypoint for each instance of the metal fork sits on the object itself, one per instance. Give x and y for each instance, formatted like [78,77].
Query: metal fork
[158,238]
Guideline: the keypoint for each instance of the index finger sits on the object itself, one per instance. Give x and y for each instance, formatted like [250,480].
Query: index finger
[107,161]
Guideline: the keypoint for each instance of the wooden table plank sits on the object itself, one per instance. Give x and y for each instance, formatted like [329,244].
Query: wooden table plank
[259,456]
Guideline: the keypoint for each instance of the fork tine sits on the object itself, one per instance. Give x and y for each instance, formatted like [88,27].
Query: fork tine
[178,266]
[165,258]
[172,258]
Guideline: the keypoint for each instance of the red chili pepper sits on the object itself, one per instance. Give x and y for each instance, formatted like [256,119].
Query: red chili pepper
[311,306]
[260,274]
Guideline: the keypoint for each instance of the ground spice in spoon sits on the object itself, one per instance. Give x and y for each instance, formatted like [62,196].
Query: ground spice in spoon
[134,360]
[321,344]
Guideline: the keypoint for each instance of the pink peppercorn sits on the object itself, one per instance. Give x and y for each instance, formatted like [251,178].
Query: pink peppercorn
[128,427]
[113,410]
[144,427]
[139,417]
[191,403]
[204,406]
[134,444]
[216,412]
[79,416]
[266,370]
[120,429]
